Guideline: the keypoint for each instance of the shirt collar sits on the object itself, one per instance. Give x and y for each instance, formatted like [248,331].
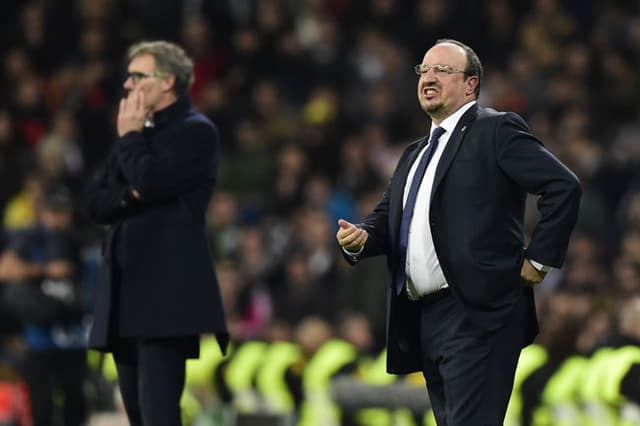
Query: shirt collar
[173,111]
[450,123]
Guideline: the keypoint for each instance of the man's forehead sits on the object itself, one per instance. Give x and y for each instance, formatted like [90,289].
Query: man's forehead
[143,62]
[447,53]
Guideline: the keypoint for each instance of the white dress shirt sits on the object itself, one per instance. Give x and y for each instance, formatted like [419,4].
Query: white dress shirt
[423,271]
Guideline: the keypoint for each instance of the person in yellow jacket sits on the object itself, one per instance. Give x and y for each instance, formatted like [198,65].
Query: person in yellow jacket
[278,379]
[327,356]
[531,358]
[549,393]
[235,376]
[614,380]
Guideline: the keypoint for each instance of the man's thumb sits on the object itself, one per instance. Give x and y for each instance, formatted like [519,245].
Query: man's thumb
[343,223]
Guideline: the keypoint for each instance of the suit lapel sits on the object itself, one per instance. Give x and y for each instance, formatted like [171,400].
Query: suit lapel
[398,185]
[406,165]
[453,144]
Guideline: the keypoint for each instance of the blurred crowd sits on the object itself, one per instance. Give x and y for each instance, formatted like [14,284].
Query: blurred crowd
[314,101]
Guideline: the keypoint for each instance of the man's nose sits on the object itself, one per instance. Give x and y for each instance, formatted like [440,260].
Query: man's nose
[429,77]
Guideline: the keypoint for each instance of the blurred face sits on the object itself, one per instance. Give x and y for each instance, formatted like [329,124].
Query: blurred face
[441,94]
[57,220]
[157,88]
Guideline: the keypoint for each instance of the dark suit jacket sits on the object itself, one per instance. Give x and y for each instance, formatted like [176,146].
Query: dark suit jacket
[490,162]
[165,283]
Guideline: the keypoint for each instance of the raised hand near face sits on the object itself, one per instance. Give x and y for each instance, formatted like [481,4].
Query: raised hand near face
[131,113]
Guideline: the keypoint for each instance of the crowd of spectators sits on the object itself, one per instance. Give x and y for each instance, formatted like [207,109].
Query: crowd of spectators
[314,101]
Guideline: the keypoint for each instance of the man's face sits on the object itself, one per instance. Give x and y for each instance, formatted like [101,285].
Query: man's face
[155,87]
[441,94]
[56,219]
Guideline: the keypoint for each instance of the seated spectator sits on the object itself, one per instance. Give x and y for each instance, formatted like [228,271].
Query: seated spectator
[42,269]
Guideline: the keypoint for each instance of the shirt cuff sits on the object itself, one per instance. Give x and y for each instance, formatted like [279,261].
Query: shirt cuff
[353,254]
[539,266]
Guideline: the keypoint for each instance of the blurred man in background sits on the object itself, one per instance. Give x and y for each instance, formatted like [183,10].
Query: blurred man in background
[158,291]
[42,268]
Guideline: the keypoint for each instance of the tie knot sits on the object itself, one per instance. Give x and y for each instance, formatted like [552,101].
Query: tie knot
[437,133]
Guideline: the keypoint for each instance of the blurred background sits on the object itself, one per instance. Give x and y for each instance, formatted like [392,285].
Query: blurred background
[314,100]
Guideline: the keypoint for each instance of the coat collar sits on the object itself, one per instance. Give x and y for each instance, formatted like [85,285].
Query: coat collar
[173,111]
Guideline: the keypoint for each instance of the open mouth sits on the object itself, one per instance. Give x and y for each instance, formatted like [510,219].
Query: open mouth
[429,92]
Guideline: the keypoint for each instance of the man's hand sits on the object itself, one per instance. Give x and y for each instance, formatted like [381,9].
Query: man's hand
[14,268]
[58,269]
[350,236]
[531,275]
[131,113]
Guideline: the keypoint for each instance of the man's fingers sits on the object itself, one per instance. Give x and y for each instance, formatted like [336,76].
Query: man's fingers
[346,232]
[132,100]
[531,275]
[140,104]
[360,240]
[349,237]
[355,238]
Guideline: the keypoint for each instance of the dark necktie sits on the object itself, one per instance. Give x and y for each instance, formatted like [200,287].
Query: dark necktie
[407,212]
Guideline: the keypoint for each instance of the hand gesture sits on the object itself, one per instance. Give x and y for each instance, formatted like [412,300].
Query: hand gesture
[350,236]
[131,113]
[58,269]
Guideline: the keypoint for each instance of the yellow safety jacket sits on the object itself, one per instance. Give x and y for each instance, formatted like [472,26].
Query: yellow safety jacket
[271,377]
[531,358]
[240,373]
[559,404]
[318,408]
[621,361]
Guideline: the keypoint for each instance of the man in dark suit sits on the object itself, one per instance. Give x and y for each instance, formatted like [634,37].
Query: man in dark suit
[158,289]
[460,303]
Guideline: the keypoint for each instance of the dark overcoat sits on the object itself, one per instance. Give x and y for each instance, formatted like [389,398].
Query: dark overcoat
[165,282]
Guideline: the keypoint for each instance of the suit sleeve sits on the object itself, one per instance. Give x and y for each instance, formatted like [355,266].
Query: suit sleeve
[108,197]
[523,158]
[377,226]
[377,223]
[185,164]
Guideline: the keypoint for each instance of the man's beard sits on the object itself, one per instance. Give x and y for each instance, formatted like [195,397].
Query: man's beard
[433,109]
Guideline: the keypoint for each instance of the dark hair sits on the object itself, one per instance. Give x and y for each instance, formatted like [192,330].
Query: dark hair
[474,66]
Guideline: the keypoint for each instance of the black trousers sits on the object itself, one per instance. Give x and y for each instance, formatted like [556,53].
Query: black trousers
[47,372]
[469,371]
[151,375]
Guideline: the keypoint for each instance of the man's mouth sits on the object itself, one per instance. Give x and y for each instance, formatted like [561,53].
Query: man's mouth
[429,92]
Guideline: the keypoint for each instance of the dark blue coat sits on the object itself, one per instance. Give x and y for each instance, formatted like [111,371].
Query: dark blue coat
[164,279]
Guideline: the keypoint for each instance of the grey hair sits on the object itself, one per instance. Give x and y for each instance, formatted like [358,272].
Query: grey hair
[170,58]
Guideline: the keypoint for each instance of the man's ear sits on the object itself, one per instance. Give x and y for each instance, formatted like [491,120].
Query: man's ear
[472,83]
[168,83]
